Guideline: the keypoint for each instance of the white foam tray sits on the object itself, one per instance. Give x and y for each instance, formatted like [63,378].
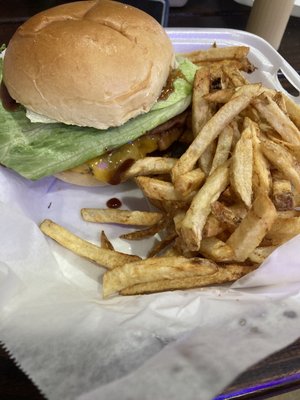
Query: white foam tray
[267,60]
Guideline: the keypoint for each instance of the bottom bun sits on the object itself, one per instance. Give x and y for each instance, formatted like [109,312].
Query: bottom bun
[80,179]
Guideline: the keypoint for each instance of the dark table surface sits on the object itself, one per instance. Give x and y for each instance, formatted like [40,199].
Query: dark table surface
[277,373]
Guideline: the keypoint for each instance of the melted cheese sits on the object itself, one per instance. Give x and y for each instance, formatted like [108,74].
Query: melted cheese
[104,167]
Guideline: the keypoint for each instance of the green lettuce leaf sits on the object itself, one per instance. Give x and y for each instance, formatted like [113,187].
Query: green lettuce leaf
[36,150]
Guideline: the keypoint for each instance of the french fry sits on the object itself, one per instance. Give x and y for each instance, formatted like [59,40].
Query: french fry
[235,76]
[159,190]
[178,218]
[189,182]
[105,242]
[217,54]
[106,258]
[206,159]
[294,149]
[122,217]
[242,64]
[153,269]
[297,199]
[212,129]
[201,111]
[280,101]
[224,274]
[223,148]
[150,166]
[236,133]
[196,216]
[288,214]
[220,96]
[226,215]
[283,160]
[212,227]
[171,252]
[145,233]
[259,254]
[283,196]
[268,108]
[162,244]
[216,250]
[253,228]
[293,110]
[242,167]
[284,230]
[262,180]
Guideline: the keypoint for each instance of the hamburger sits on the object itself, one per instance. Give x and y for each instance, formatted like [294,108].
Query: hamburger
[92,85]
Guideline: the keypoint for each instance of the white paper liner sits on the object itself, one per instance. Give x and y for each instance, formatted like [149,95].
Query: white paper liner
[167,345]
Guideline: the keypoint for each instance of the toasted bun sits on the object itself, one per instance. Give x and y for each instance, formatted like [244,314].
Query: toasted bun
[88,63]
[80,179]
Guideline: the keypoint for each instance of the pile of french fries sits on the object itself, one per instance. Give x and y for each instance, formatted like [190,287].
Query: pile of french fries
[225,204]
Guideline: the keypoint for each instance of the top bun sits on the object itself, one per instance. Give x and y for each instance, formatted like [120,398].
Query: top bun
[88,63]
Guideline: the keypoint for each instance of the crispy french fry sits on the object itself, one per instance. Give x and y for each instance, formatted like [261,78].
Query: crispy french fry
[235,76]
[262,180]
[189,182]
[223,148]
[196,216]
[282,160]
[280,101]
[105,242]
[218,54]
[150,166]
[170,251]
[220,96]
[259,254]
[213,127]
[212,227]
[160,190]
[162,244]
[236,132]
[201,111]
[153,269]
[178,218]
[206,159]
[294,149]
[107,258]
[268,108]
[182,250]
[253,228]
[288,214]
[224,274]
[284,230]
[283,196]
[242,64]
[216,250]
[145,233]
[226,215]
[123,217]
[293,110]
[242,166]
[297,199]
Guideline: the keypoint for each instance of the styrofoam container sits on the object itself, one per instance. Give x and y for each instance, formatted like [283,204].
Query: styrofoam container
[267,60]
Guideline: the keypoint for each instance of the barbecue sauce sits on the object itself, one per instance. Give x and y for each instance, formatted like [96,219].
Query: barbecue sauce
[169,86]
[113,203]
[8,103]
[116,178]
